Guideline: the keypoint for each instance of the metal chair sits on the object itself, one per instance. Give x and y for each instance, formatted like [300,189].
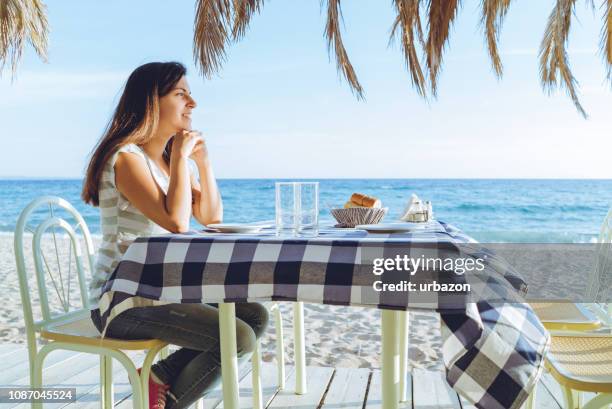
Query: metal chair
[70,328]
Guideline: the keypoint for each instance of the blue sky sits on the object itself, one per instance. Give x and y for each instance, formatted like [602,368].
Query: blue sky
[279,109]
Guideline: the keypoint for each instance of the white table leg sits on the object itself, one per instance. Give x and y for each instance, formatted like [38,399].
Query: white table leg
[403,351]
[390,359]
[229,360]
[280,347]
[256,376]
[299,348]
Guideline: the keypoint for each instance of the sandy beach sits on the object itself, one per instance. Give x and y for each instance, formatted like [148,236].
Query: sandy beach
[335,335]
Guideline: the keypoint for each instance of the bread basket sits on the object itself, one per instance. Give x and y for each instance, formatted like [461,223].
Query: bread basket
[354,216]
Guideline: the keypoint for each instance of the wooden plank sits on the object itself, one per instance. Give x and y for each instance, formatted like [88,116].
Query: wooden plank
[89,398]
[6,349]
[19,374]
[70,373]
[269,384]
[544,400]
[374,398]
[555,390]
[210,401]
[84,375]
[347,389]
[430,390]
[57,372]
[13,359]
[81,381]
[552,387]
[318,381]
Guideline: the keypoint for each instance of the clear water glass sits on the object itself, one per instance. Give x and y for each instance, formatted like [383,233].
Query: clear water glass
[297,209]
[308,223]
[286,209]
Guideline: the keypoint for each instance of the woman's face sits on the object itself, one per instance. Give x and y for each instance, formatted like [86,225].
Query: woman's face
[175,107]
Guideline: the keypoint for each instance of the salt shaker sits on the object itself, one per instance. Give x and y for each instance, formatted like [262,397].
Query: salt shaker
[429,210]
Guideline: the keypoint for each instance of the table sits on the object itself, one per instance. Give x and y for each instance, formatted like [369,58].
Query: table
[492,348]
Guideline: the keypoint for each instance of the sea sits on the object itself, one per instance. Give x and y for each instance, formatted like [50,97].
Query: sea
[490,210]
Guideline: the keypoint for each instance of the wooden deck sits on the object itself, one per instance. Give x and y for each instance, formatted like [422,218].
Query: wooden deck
[331,388]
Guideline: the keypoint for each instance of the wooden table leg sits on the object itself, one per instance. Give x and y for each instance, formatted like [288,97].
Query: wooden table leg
[390,359]
[229,360]
[299,348]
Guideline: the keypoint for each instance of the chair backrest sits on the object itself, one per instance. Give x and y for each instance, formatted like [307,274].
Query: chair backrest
[41,219]
[601,278]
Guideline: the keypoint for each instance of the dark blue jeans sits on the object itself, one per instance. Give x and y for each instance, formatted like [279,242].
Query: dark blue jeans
[194,369]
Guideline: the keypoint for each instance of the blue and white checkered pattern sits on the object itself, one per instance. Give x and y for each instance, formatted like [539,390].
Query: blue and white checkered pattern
[493,350]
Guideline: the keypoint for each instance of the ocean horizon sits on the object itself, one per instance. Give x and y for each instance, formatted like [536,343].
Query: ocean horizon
[491,210]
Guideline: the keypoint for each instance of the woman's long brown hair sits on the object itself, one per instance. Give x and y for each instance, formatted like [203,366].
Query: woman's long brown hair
[135,119]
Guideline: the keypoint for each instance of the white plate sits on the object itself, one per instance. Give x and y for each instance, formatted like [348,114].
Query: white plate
[392,227]
[235,228]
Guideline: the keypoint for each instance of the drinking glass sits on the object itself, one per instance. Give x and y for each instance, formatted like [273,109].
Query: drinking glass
[286,209]
[297,209]
[308,215]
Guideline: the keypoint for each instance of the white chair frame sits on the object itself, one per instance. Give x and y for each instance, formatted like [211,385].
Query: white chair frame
[69,315]
[33,328]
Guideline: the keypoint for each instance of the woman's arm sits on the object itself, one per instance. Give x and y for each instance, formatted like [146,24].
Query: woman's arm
[207,204]
[178,199]
[134,180]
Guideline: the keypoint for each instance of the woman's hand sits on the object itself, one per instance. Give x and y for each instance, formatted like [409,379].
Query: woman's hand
[184,142]
[199,154]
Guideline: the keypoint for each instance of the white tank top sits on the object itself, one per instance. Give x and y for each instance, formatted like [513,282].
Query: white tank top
[120,222]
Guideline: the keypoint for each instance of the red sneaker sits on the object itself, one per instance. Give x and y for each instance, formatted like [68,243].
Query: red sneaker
[157,393]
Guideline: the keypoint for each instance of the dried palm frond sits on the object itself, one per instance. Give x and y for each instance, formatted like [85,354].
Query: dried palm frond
[243,11]
[591,3]
[408,21]
[211,28]
[493,13]
[553,55]
[22,20]
[441,15]
[606,37]
[334,41]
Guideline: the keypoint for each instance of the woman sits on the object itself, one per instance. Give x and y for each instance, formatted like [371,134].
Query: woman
[139,176]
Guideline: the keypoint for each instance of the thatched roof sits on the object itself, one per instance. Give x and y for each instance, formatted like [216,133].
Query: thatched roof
[21,20]
[218,23]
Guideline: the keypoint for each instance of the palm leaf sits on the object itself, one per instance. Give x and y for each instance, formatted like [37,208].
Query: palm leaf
[493,13]
[22,20]
[210,37]
[553,55]
[408,21]
[243,11]
[606,37]
[334,42]
[441,15]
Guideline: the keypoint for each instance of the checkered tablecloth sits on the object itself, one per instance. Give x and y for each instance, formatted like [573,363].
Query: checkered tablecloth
[493,345]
